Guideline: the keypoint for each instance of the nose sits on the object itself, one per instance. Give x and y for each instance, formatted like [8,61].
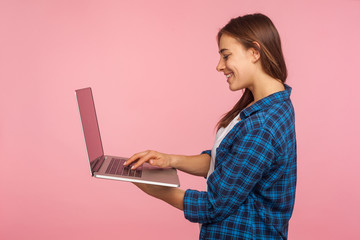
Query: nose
[221,66]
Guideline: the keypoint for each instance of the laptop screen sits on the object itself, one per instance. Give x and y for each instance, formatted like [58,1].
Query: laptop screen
[90,125]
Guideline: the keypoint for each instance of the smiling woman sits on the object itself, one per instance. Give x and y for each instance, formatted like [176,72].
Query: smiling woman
[250,39]
[251,169]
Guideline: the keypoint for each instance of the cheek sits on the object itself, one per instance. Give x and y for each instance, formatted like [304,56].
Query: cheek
[236,69]
[235,65]
[231,66]
[243,69]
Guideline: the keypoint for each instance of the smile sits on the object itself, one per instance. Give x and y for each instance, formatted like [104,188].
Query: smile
[228,75]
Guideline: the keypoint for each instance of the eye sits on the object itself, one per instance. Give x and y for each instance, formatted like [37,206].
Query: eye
[225,57]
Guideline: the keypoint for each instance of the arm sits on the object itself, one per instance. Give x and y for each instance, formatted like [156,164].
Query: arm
[173,196]
[196,165]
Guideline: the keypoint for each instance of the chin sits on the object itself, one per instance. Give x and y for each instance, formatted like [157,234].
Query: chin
[235,88]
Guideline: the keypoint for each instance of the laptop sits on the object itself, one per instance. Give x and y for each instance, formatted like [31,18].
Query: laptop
[111,167]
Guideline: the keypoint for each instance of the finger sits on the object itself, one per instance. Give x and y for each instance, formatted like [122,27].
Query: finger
[135,157]
[149,156]
[141,161]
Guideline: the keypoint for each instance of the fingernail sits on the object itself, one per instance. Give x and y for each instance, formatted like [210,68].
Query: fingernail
[132,167]
[151,161]
[124,163]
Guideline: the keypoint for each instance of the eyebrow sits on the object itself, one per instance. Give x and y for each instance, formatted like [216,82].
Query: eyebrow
[223,49]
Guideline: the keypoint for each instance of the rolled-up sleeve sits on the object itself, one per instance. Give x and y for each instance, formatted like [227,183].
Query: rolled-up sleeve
[208,152]
[237,171]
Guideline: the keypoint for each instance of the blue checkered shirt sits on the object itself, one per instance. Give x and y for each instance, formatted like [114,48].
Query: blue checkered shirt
[251,192]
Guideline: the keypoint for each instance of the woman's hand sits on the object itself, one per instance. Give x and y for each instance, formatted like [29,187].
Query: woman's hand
[154,158]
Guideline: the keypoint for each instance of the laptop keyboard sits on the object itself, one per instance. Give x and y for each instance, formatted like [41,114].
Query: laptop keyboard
[117,167]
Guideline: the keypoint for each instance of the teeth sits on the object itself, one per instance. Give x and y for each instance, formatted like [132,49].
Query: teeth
[228,75]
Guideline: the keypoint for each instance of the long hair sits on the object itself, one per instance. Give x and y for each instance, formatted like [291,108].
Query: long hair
[249,30]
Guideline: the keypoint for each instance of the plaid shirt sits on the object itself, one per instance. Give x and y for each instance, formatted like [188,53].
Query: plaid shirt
[251,192]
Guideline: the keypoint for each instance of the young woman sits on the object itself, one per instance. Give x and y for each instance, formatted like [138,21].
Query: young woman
[251,169]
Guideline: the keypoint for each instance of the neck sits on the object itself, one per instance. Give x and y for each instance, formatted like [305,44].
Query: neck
[265,86]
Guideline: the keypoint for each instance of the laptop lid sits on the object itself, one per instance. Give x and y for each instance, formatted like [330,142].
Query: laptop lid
[90,127]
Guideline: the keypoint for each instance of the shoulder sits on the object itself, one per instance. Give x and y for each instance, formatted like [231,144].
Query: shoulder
[272,118]
[276,121]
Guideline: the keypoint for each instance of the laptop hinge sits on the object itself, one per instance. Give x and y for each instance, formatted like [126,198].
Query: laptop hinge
[97,163]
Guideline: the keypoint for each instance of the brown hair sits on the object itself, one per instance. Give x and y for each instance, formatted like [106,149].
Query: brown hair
[250,30]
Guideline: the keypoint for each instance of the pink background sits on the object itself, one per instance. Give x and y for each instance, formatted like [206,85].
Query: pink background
[151,65]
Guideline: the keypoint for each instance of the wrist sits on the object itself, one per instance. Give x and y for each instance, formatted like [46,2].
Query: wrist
[173,160]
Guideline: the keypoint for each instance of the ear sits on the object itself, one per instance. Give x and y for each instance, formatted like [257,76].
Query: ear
[255,52]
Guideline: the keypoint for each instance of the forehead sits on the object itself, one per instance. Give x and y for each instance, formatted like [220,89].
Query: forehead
[228,42]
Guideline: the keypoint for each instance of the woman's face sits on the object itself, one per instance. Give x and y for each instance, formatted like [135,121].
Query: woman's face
[237,63]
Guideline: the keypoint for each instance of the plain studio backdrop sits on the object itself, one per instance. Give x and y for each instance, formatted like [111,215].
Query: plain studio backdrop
[151,65]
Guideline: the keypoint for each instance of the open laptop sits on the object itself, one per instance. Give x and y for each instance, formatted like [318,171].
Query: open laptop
[111,167]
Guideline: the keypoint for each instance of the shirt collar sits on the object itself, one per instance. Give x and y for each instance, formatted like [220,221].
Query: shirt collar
[267,102]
